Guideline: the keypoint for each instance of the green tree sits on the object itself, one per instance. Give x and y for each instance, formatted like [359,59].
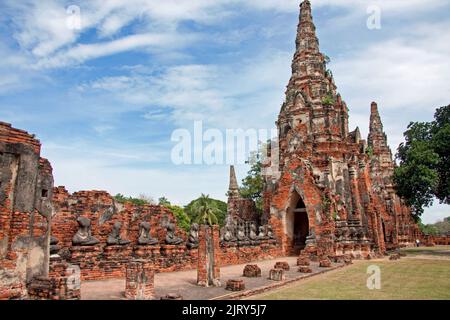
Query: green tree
[220,213]
[183,220]
[142,200]
[440,131]
[163,201]
[328,100]
[424,170]
[438,228]
[428,229]
[252,184]
[205,211]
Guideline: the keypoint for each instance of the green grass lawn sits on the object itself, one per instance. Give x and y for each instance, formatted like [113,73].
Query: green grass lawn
[410,278]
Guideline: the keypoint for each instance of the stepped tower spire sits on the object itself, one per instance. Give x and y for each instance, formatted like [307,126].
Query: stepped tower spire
[233,191]
[377,138]
[313,112]
[306,32]
[382,161]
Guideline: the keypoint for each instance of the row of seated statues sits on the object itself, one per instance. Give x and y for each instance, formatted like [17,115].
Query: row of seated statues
[84,236]
[246,233]
[243,233]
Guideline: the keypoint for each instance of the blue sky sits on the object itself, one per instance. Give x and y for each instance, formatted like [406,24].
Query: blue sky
[104,99]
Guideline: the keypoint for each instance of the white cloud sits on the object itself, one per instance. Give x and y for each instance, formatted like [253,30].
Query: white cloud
[100,169]
[436,213]
[388,5]
[408,76]
[40,27]
[83,52]
[220,95]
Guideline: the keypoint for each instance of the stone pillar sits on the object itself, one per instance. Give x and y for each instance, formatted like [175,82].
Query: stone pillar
[355,193]
[139,281]
[208,270]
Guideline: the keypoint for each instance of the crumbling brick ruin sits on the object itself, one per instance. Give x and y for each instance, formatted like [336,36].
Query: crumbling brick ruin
[334,193]
[26,184]
[143,234]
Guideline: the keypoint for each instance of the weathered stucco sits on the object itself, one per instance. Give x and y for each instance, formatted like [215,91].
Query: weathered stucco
[26,184]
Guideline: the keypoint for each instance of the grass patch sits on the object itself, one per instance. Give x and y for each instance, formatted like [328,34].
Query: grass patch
[406,279]
[438,251]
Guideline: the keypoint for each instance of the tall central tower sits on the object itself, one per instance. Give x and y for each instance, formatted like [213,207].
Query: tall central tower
[313,112]
[326,172]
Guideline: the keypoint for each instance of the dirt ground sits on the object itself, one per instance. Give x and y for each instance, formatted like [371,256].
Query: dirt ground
[184,282]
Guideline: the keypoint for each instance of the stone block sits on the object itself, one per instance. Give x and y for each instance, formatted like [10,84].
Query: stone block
[235,285]
[252,271]
[282,265]
[277,275]
[394,257]
[305,269]
[325,263]
[303,261]
[172,296]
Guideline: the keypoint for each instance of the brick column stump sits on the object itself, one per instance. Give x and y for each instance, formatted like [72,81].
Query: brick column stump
[139,281]
[208,270]
[276,275]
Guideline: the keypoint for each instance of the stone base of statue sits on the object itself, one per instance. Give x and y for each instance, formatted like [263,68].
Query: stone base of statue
[117,252]
[227,244]
[244,243]
[85,250]
[169,250]
[147,251]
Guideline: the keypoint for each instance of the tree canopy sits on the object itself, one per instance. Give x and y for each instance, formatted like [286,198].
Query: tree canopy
[183,220]
[438,228]
[163,201]
[195,209]
[252,184]
[424,170]
[205,211]
[141,200]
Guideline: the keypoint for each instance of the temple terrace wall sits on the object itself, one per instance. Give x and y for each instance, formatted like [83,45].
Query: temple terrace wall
[104,258]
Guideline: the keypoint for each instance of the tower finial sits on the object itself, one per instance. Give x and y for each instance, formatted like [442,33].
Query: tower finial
[234,187]
[375,119]
[374,108]
[306,32]
[376,126]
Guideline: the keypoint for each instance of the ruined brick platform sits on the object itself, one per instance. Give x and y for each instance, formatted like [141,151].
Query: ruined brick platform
[184,283]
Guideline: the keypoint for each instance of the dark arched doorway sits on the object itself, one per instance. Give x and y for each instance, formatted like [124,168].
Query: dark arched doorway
[297,223]
[384,231]
[301,226]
